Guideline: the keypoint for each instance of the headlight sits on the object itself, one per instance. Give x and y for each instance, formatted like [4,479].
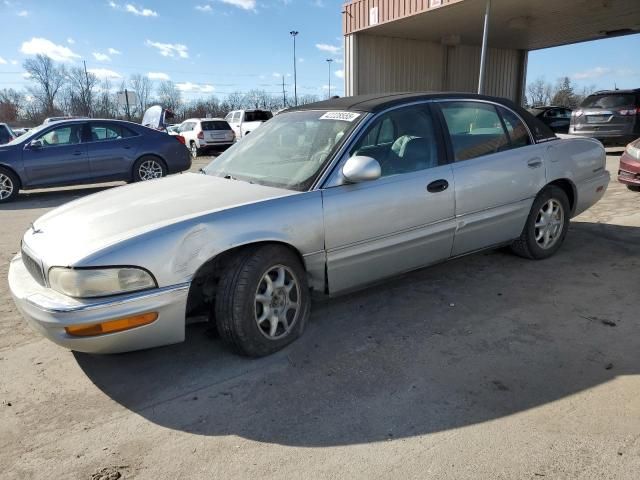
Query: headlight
[633,151]
[87,283]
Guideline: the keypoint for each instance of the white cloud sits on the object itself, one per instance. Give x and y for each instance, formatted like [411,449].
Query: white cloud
[158,76]
[339,73]
[187,87]
[324,47]
[243,4]
[14,62]
[70,41]
[301,60]
[104,73]
[276,75]
[101,57]
[113,51]
[2,61]
[169,49]
[318,3]
[23,13]
[204,8]
[129,8]
[596,72]
[26,75]
[46,47]
[325,87]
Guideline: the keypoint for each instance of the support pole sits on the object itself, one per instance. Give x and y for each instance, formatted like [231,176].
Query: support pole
[483,52]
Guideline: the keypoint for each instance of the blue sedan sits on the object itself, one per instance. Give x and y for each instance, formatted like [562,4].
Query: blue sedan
[81,151]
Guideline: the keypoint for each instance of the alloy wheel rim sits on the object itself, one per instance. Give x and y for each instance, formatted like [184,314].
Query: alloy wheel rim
[549,224]
[277,302]
[194,150]
[149,170]
[6,186]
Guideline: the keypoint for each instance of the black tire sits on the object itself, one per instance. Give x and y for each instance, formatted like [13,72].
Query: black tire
[193,148]
[237,308]
[140,168]
[527,246]
[634,188]
[9,185]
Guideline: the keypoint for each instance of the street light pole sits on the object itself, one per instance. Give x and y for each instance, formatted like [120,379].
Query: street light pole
[329,60]
[294,33]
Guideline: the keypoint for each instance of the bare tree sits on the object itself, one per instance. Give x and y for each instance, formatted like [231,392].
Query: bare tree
[143,86]
[106,106]
[11,105]
[169,95]
[48,78]
[235,100]
[304,99]
[82,87]
[539,92]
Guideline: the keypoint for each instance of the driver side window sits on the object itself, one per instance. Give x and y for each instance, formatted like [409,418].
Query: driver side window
[402,141]
[64,135]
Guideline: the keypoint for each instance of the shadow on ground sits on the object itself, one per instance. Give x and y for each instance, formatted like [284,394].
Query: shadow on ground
[28,200]
[460,343]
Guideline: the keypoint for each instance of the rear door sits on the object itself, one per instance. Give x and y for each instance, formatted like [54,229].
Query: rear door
[112,149]
[60,158]
[498,171]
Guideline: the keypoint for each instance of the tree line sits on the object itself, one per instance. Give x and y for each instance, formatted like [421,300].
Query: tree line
[57,90]
[563,93]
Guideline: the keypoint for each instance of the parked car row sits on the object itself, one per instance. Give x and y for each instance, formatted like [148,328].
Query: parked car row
[81,151]
[326,197]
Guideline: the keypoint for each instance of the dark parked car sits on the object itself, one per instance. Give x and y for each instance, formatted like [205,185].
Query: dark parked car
[629,172]
[556,118]
[72,152]
[6,134]
[611,116]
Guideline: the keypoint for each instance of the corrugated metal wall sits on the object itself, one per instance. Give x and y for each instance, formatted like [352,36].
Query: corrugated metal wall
[376,64]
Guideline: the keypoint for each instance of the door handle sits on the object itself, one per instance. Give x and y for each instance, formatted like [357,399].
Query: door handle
[77,152]
[438,186]
[128,147]
[535,163]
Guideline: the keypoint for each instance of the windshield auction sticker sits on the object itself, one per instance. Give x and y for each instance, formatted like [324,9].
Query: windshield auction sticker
[345,116]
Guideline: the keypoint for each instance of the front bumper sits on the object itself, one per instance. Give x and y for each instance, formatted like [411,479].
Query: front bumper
[48,312]
[629,172]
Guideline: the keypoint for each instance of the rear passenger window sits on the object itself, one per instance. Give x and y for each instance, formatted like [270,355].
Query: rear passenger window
[518,133]
[475,129]
[215,125]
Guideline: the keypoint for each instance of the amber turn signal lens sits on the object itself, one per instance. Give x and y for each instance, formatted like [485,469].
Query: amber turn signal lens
[111,326]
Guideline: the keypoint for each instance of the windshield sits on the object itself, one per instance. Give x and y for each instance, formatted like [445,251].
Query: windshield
[288,151]
[215,125]
[28,134]
[257,116]
[608,101]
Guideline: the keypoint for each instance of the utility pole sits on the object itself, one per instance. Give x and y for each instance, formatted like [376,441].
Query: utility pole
[126,98]
[483,51]
[87,95]
[329,60]
[294,33]
[284,95]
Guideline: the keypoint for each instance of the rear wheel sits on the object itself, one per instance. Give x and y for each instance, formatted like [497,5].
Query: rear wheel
[148,168]
[9,185]
[262,301]
[546,226]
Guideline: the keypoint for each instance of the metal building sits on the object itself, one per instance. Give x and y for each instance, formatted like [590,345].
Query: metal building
[415,45]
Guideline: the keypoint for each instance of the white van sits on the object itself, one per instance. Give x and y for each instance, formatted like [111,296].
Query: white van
[244,121]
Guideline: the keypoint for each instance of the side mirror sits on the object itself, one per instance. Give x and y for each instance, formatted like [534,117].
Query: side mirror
[361,169]
[35,144]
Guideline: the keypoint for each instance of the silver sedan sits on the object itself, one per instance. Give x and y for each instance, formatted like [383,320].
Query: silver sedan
[326,198]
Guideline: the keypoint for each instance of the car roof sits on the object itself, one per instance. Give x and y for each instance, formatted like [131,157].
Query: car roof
[377,102]
[613,92]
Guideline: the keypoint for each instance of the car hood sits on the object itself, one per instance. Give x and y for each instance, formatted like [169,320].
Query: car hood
[89,225]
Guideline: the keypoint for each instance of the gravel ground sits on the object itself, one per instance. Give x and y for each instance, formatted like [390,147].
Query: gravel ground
[486,367]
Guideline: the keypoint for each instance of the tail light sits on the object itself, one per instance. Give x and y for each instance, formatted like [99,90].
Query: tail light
[629,111]
[201,136]
[180,138]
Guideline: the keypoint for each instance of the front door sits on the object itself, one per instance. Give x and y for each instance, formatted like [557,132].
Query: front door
[58,157]
[498,172]
[401,221]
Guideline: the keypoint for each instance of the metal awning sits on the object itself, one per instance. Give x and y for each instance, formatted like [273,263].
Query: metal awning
[517,24]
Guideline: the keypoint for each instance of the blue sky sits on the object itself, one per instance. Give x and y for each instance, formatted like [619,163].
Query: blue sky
[220,46]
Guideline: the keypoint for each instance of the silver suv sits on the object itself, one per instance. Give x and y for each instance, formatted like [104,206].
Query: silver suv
[611,116]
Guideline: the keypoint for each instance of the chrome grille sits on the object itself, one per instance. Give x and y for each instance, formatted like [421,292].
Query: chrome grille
[33,267]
